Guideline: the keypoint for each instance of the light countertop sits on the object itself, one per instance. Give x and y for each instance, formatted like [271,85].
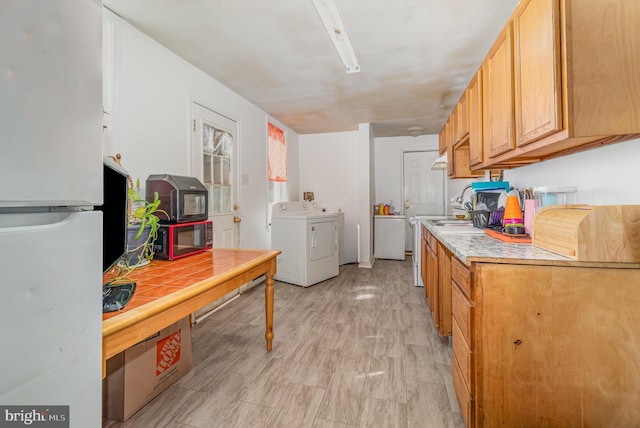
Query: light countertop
[482,247]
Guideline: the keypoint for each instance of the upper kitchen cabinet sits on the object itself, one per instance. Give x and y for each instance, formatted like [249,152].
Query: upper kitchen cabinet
[474,100]
[537,71]
[456,136]
[568,83]
[462,118]
[497,84]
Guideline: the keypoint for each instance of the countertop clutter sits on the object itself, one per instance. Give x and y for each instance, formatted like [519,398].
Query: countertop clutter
[481,247]
[568,233]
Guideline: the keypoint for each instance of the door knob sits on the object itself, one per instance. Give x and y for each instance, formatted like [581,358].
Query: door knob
[237,219]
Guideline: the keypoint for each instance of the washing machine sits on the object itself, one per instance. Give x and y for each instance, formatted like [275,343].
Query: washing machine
[308,240]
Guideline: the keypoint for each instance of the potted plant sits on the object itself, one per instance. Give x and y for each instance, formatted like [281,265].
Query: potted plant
[143,224]
[142,231]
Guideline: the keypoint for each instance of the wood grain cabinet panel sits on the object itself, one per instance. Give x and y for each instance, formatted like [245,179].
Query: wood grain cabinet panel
[574,81]
[474,99]
[497,83]
[464,397]
[538,103]
[464,357]
[462,116]
[463,313]
[462,276]
[443,312]
[557,345]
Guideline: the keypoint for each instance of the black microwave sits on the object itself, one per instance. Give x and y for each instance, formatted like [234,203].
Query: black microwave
[183,239]
[184,199]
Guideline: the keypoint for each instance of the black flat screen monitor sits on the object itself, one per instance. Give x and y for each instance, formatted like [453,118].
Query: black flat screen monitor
[114,217]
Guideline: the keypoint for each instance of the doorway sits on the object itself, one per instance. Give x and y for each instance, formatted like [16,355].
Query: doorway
[423,188]
[214,162]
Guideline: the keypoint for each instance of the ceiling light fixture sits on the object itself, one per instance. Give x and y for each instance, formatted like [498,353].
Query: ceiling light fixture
[330,16]
[415,131]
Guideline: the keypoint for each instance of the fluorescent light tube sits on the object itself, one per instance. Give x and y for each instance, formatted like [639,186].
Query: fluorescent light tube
[330,16]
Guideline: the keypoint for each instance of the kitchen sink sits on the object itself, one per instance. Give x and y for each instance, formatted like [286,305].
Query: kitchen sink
[456,226]
[452,222]
[468,228]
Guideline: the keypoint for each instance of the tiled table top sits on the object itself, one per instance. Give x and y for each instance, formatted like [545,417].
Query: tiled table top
[162,277]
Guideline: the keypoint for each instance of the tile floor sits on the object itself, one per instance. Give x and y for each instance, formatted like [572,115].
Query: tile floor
[358,350]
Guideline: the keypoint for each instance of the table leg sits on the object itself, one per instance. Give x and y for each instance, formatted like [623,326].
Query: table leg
[268,291]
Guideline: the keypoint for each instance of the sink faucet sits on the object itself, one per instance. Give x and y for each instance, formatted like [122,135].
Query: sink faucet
[460,197]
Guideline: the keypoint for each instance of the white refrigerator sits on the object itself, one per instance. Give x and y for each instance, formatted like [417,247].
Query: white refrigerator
[50,182]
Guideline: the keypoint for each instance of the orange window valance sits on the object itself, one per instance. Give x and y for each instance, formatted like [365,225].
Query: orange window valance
[276,154]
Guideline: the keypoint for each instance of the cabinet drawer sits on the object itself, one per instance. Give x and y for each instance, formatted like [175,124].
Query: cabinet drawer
[461,275]
[467,404]
[463,312]
[463,357]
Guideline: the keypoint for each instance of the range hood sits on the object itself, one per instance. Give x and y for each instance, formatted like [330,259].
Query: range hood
[440,163]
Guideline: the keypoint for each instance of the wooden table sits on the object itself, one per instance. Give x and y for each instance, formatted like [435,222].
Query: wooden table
[168,291]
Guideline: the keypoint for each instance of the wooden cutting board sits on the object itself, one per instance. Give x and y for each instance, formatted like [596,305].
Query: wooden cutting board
[590,233]
[512,239]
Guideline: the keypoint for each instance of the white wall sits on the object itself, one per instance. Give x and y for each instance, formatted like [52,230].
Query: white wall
[329,169]
[607,175]
[151,119]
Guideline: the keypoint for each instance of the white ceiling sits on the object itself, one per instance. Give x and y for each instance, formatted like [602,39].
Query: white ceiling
[416,56]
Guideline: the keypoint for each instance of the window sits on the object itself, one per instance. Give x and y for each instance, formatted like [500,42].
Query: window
[216,161]
[276,166]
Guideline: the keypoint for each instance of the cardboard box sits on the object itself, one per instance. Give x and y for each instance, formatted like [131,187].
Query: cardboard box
[137,375]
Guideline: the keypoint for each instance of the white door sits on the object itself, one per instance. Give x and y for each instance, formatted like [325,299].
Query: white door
[423,188]
[214,156]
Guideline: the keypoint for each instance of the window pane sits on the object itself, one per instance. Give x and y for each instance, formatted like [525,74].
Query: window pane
[207,138]
[217,170]
[227,199]
[225,172]
[210,190]
[217,200]
[207,168]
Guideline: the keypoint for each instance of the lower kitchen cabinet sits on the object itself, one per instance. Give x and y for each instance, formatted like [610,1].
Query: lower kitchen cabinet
[443,313]
[546,344]
[436,271]
[463,338]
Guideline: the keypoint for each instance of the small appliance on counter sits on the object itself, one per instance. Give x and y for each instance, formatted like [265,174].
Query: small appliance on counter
[183,239]
[185,199]
[188,230]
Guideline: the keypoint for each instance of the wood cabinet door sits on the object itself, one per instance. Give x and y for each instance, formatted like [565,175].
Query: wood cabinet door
[450,141]
[444,316]
[474,100]
[431,285]
[497,70]
[558,346]
[424,265]
[462,118]
[537,73]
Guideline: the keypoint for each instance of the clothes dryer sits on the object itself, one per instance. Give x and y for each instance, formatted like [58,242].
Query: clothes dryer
[308,241]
